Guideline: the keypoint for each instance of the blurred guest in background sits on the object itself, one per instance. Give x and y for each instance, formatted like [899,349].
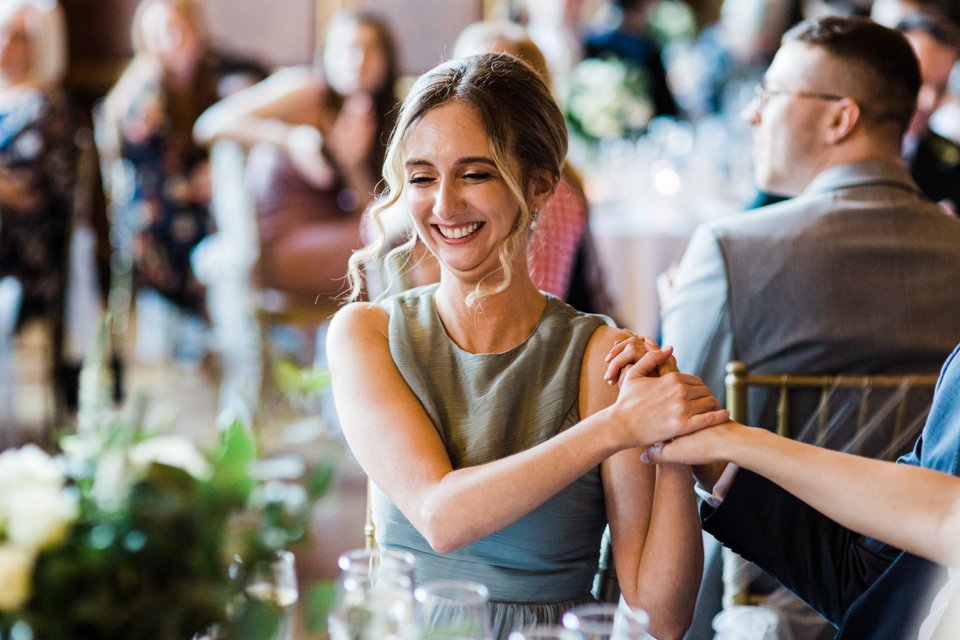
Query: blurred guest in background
[631,42]
[933,159]
[36,154]
[712,74]
[148,118]
[144,125]
[320,135]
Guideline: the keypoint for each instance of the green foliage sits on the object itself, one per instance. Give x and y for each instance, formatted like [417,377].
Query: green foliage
[318,602]
[160,563]
[294,380]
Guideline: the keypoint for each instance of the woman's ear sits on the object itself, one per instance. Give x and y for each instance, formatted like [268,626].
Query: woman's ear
[540,189]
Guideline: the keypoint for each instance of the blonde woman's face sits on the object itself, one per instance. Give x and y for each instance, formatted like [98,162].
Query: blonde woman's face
[460,202]
[172,38]
[14,47]
[353,59]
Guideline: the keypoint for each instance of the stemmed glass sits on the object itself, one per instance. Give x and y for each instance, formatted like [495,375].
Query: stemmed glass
[374,596]
[276,581]
[606,621]
[453,610]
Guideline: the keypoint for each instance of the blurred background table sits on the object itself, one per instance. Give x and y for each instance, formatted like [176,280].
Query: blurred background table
[647,197]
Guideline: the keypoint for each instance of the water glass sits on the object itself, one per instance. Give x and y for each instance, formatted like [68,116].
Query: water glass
[453,610]
[545,632]
[374,596]
[275,581]
[606,621]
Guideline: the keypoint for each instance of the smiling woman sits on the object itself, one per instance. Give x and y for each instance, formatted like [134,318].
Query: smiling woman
[499,451]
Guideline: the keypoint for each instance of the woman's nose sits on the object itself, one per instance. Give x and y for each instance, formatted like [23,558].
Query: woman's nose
[446,201]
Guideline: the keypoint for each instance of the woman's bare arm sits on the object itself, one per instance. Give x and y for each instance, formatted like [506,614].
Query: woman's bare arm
[654,526]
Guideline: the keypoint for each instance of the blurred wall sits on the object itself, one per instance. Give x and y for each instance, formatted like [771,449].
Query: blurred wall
[425,29]
[279,32]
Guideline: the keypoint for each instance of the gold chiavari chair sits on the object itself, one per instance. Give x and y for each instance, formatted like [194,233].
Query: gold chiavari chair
[878,416]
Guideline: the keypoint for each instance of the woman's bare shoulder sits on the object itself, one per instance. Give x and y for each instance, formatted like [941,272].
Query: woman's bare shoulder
[357,327]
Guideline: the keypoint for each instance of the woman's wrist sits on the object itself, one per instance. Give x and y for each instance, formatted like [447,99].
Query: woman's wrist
[606,428]
[744,445]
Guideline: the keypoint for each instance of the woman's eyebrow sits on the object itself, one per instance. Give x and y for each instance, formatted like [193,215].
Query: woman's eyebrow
[419,162]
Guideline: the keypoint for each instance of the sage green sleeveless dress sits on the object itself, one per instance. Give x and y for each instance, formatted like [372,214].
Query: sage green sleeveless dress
[486,407]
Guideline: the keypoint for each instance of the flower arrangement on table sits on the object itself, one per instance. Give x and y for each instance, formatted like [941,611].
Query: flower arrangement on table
[130,534]
[608,98]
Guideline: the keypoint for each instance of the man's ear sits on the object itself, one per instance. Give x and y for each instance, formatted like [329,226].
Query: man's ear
[540,189]
[844,117]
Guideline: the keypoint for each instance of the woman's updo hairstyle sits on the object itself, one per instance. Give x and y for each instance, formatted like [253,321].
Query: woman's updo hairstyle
[521,120]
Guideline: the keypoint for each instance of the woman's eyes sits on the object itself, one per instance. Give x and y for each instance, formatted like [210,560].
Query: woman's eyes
[477,176]
[471,176]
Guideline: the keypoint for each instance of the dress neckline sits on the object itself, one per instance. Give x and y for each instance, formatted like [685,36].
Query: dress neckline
[550,298]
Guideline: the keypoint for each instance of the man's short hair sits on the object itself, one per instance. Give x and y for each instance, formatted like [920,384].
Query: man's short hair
[880,69]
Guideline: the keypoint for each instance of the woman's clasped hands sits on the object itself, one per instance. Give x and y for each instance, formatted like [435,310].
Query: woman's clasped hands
[657,402]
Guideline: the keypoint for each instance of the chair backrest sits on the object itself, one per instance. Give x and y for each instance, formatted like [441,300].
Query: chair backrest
[118,178]
[873,415]
[879,416]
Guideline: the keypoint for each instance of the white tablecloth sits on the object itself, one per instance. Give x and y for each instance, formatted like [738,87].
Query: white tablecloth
[639,239]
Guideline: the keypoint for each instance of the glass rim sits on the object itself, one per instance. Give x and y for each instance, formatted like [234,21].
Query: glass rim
[357,556]
[477,592]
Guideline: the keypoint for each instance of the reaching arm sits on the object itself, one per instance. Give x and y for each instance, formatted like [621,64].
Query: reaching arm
[264,112]
[654,526]
[451,507]
[276,111]
[908,507]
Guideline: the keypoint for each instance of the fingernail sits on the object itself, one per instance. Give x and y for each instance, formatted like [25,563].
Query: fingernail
[645,457]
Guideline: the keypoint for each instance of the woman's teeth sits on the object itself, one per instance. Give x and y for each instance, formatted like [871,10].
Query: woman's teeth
[455,233]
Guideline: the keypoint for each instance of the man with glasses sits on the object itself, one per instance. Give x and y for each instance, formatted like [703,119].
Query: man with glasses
[857,273]
[933,160]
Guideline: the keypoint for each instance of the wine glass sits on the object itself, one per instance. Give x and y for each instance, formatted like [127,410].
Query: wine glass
[545,632]
[275,581]
[607,621]
[453,610]
[374,596]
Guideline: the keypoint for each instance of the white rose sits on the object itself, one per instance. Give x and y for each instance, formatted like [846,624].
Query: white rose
[174,451]
[40,517]
[25,468]
[16,568]
[29,465]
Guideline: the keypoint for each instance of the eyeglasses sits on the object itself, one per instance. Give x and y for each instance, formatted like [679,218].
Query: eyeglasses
[765,93]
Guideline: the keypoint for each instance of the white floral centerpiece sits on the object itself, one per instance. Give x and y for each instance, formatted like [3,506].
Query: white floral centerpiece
[608,99]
